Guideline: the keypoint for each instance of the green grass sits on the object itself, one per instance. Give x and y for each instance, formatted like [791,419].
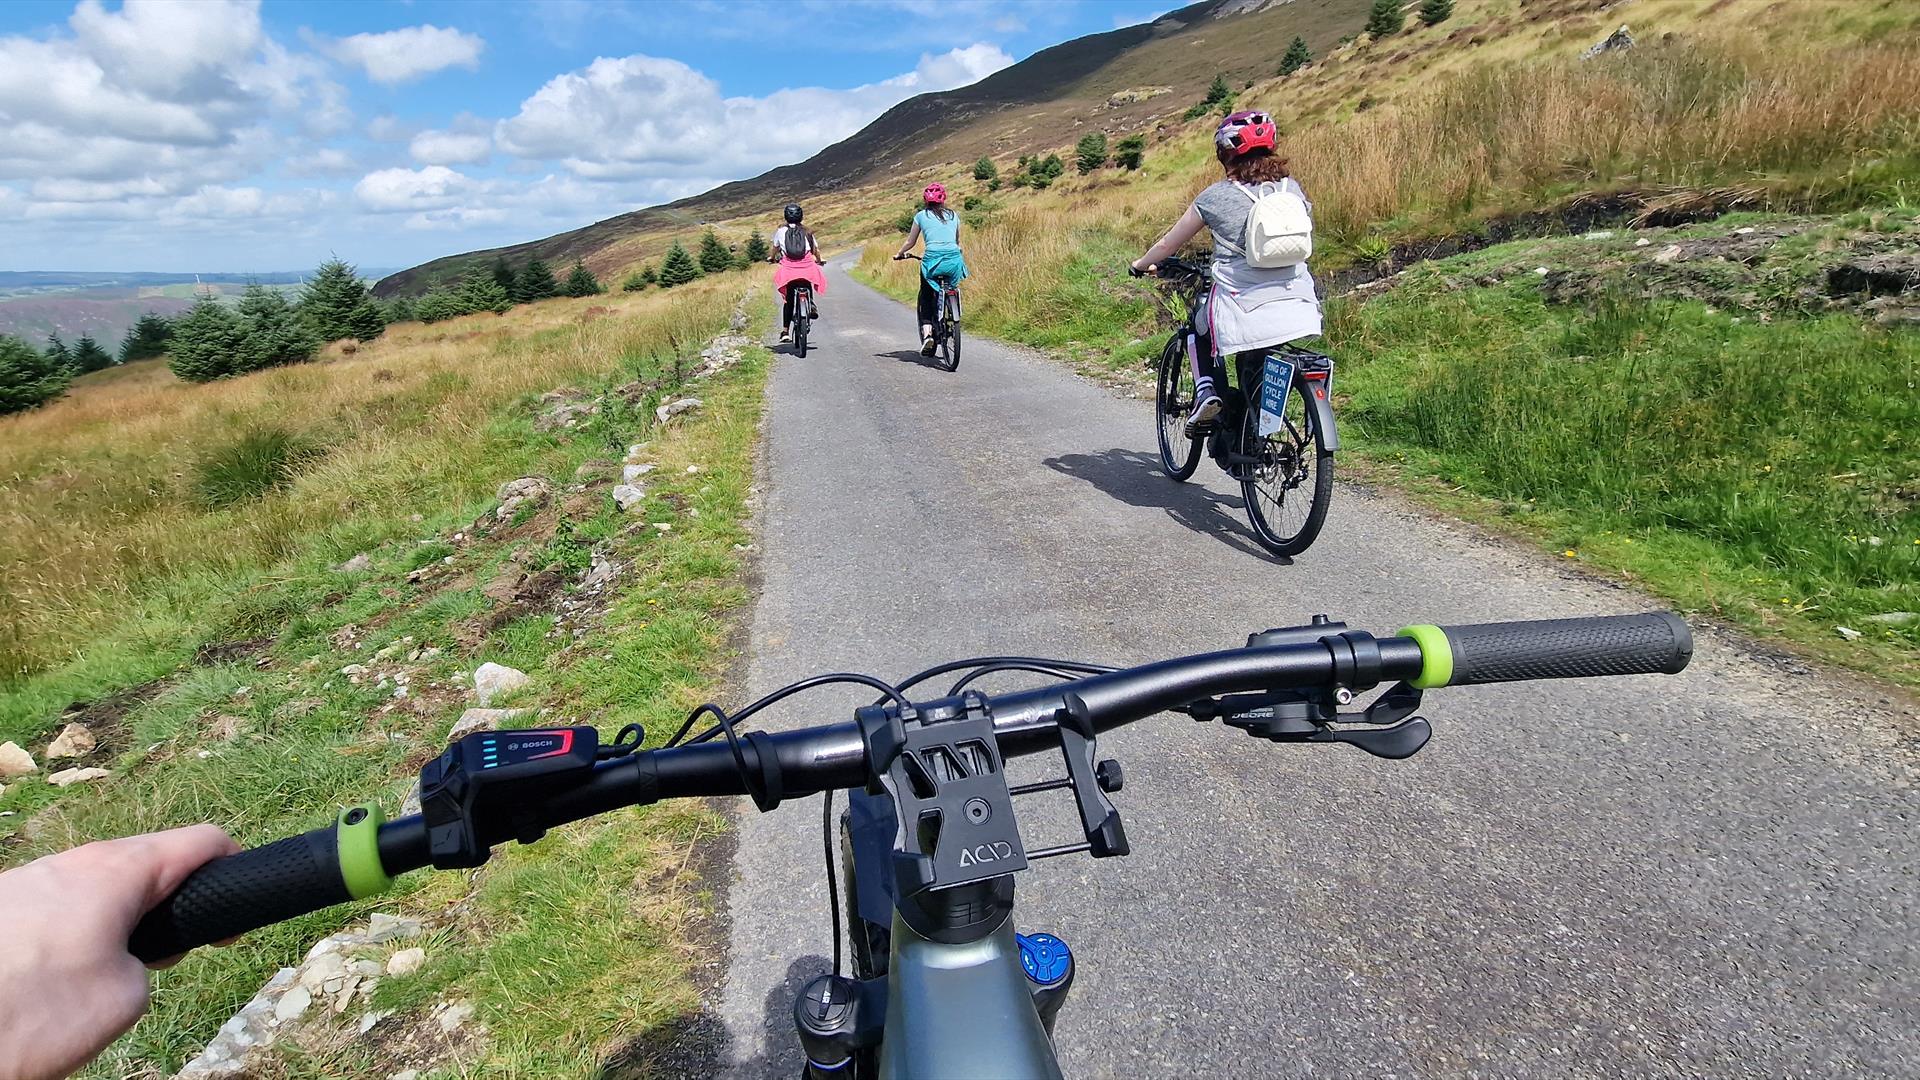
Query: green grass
[1761,472]
[591,925]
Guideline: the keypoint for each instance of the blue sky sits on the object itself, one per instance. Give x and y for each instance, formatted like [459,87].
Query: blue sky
[204,135]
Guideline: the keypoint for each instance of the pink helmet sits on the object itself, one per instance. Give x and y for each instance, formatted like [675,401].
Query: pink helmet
[935,193]
[1246,131]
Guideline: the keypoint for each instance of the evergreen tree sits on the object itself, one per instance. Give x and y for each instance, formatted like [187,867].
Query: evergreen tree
[536,282]
[28,377]
[649,274]
[1298,56]
[146,339]
[678,268]
[398,310]
[1129,152]
[985,169]
[206,342]
[635,282]
[272,332]
[1386,18]
[503,275]
[439,303]
[581,282]
[336,304]
[89,356]
[757,248]
[479,292]
[1434,12]
[714,256]
[1217,91]
[58,352]
[1091,152]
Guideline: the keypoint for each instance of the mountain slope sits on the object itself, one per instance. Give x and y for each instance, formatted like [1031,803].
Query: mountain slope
[1036,104]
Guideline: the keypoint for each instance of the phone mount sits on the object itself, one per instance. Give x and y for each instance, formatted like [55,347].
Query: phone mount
[1392,730]
[954,822]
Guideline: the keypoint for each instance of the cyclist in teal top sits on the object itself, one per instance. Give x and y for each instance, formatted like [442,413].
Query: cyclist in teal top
[940,226]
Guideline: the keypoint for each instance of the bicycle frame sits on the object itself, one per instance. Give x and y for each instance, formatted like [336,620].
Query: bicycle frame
[958,1000]
[1224,443]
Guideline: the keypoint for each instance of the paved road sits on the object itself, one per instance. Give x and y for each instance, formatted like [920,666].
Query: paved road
[1713,874]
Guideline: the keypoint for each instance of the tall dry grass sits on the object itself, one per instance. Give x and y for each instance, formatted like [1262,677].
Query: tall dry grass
[1803,126]
[1807,126]
[101,522]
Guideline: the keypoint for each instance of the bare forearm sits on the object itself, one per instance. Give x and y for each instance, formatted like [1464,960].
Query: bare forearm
[1177,237]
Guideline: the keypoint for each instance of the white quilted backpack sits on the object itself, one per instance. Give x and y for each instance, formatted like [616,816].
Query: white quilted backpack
[1279,227]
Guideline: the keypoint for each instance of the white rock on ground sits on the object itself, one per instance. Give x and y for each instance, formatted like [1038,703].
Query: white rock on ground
[485,720]
[384,927]
[359,564]
[77,776]
[292,1004]
[517,493]
[74,740]
[15,761]
[672,409]
[406,961]
[632,473]
[452,1017]
[494,681]
[636,450]
[626,496]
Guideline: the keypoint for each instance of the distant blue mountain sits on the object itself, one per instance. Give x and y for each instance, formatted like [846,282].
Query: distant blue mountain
[65,279]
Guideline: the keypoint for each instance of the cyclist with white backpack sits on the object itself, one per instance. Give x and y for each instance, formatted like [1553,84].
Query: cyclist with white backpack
[797,254]
[1262,230]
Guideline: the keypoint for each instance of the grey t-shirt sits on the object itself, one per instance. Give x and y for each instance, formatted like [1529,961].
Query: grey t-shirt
[1252,307]
[1224,206]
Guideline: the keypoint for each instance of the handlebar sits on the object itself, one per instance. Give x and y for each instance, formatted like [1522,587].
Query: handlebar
[360,854]
[898,258]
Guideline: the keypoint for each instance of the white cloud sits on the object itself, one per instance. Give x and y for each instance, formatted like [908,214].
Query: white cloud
[644,116]
[466,141]
[435,187]
[400,55]
[326,161]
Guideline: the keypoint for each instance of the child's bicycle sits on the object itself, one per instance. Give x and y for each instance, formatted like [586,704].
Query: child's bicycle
[1275,433]
[946,328]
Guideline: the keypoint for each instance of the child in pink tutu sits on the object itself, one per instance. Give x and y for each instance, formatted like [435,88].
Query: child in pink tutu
[797,257]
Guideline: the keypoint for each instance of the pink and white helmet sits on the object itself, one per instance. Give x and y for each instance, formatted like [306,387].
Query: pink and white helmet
[935,193]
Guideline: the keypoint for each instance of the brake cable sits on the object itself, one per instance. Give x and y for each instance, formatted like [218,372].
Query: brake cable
[725,724]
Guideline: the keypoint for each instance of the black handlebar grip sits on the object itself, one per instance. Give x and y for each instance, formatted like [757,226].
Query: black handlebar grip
[230,896]
[1657,643]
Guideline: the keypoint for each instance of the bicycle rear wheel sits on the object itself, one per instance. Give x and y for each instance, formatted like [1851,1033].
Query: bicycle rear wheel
[800,335]
[1179,454]
[1288,490]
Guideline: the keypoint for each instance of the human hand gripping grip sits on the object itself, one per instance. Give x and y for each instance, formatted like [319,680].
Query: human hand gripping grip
[261,886]
[1657,643]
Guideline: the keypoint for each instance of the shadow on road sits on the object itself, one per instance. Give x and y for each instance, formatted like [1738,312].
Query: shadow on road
[912,356]
[1134,477]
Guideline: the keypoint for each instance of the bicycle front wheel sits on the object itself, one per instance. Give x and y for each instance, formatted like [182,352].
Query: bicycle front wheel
[1179,454]
[1290,485]
[950,341]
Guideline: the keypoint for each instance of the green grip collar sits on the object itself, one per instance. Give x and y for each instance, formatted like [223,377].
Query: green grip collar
[357,831]
[1436,654]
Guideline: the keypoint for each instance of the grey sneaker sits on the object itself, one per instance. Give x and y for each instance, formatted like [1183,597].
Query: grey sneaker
[1204,410]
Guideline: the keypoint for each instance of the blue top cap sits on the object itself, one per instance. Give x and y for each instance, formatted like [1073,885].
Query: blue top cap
[1045,958]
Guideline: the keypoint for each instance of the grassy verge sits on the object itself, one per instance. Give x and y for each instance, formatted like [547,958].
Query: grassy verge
[568,951]
[1760,469]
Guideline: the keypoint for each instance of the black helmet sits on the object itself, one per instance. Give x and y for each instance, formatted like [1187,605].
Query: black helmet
[793,213]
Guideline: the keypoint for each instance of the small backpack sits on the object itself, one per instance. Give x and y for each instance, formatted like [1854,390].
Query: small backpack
[796,243]
[1279,227]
